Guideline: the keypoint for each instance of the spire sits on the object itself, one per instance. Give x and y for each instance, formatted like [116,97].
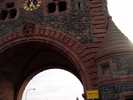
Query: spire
[115,42]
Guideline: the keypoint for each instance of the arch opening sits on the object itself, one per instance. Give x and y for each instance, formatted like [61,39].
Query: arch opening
[53,84]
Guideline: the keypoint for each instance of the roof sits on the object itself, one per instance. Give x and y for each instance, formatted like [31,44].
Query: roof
[114,42]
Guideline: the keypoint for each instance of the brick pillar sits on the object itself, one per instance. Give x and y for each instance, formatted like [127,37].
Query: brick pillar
[6,90]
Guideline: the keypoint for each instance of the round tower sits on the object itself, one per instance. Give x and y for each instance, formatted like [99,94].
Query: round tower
[115,66]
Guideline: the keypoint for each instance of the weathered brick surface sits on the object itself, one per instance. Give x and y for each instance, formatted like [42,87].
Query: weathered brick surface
[79,33]
[6,90]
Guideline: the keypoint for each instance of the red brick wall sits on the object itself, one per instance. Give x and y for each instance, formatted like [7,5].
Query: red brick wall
[6,90]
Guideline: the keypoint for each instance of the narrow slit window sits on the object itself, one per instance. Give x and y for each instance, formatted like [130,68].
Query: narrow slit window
[79,5]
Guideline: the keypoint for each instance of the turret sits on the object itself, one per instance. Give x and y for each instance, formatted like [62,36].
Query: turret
[115,66]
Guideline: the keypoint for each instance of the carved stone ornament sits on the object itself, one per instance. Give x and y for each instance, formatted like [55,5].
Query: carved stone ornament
[31,5]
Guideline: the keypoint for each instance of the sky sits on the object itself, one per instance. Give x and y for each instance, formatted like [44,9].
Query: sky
[122,15]
[54,84]
[62,85]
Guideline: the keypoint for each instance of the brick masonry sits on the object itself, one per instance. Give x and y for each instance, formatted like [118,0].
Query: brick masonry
[79,32]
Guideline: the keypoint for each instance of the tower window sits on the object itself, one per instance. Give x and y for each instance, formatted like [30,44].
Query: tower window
[3,14]
[51,7]
[57,6]
[62,6]
[12,13]
[10,5]
[9,12]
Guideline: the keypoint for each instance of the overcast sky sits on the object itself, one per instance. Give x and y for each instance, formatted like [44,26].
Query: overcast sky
[122,14]
[60,85]
[54,84]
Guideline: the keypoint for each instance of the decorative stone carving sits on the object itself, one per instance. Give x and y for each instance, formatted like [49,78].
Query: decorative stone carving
[31,5]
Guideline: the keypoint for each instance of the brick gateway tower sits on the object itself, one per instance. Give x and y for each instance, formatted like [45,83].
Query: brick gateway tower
[76,35]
